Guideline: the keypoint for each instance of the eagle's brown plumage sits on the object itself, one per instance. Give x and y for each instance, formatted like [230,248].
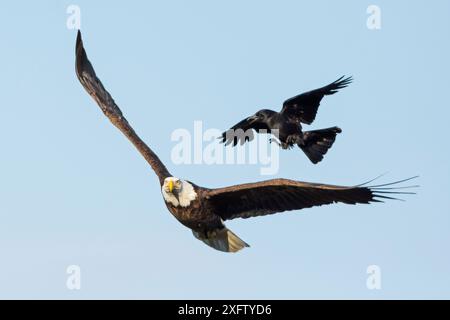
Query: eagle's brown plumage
[278,195]
[88,78]
[210,207]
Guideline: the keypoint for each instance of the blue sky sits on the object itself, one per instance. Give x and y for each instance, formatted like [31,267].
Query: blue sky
[75,192]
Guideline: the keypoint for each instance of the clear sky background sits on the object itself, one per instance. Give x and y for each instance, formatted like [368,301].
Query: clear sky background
[75,192]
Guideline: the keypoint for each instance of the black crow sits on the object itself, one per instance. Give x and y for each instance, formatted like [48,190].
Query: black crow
[287,122]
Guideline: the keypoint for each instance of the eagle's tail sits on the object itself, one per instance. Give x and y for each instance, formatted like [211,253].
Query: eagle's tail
[316,143]
[221,239]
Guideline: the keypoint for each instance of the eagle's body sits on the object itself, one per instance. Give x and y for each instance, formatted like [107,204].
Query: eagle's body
[193,212]
[286,124]
[204,210]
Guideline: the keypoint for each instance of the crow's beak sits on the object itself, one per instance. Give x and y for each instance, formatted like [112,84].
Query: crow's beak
[170,186]
[252,119]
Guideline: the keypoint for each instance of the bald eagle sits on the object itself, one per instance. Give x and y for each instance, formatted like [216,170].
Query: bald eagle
[204,210]
[287,123]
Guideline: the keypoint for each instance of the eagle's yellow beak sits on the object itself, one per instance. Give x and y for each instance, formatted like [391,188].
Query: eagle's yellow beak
[170,186]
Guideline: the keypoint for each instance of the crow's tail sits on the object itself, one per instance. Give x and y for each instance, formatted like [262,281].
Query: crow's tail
[316,143]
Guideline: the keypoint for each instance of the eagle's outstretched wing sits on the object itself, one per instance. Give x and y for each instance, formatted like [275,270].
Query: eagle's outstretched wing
[303,107]
[278,195]
[88,78]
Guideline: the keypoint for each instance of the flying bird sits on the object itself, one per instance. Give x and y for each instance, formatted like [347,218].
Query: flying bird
[204,210]
[286,124]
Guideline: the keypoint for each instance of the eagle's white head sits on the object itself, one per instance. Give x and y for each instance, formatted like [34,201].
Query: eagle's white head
[178,192]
